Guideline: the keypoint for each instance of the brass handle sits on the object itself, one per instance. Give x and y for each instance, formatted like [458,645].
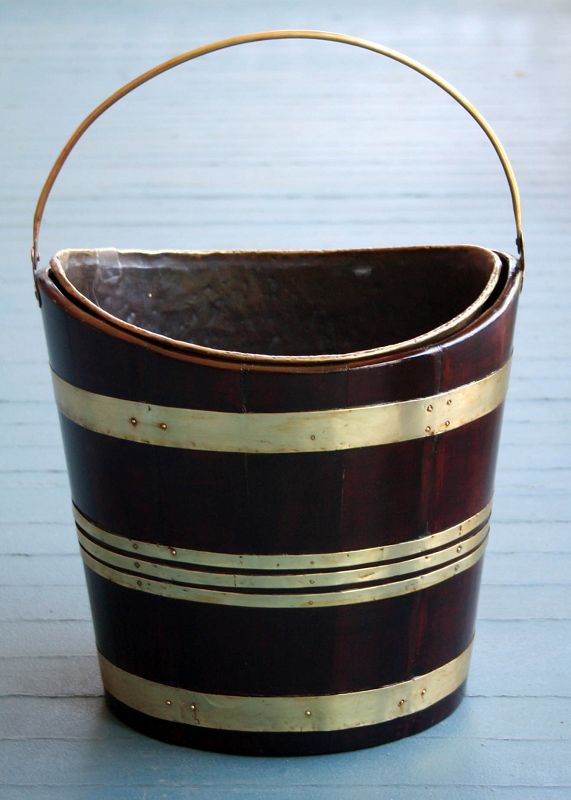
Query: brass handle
[260,37]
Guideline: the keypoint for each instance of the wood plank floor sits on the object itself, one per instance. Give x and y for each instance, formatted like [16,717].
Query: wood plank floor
[288,145]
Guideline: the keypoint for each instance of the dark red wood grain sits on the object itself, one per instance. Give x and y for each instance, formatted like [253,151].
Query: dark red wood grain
[283,651]
[287,502]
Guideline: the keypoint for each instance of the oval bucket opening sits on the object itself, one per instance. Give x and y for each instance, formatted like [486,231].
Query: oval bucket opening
[289,303]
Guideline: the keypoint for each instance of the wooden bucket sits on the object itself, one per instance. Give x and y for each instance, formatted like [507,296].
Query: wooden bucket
[282,470]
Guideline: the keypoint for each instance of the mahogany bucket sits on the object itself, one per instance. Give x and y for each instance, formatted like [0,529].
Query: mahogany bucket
[282,467]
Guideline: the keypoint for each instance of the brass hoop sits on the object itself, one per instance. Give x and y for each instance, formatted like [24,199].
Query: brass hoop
[260,37]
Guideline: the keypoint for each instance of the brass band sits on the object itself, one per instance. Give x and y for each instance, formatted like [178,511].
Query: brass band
[290,432]
[285,714]
[280,581]
[314,599]
[302,561]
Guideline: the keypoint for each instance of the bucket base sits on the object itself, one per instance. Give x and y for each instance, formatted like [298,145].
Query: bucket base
[285,744]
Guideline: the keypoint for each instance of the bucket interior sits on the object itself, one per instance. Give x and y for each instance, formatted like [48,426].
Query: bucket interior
[285,303]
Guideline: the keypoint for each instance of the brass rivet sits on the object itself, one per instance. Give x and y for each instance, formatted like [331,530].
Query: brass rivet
[459,548]
[193,706]
[423,692]
[308,713]
[456,568]
[402,701]
[135,546]
[312,582]
[312,437]
[430,408]
[150,294]
[168,702]
[139,583]
[163,426]
[447,423]
[449,402]
[133,420]
[136,563]
[173,551]
[428,429]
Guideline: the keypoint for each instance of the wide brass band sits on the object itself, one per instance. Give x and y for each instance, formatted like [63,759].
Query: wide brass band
[293,432]
[296,714]
[283,561]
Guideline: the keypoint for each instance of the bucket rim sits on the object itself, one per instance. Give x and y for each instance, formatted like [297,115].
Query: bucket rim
[509,286]
[222,355]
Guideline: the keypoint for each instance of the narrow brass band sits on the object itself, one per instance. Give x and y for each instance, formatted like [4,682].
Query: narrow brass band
[305,561]
[279,581]
[333,712]
[294,432]
[366,594]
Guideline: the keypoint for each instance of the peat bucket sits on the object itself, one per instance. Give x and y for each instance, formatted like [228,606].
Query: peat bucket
[282,503]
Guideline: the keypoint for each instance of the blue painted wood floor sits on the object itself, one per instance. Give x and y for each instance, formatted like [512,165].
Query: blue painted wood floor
[288,145]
